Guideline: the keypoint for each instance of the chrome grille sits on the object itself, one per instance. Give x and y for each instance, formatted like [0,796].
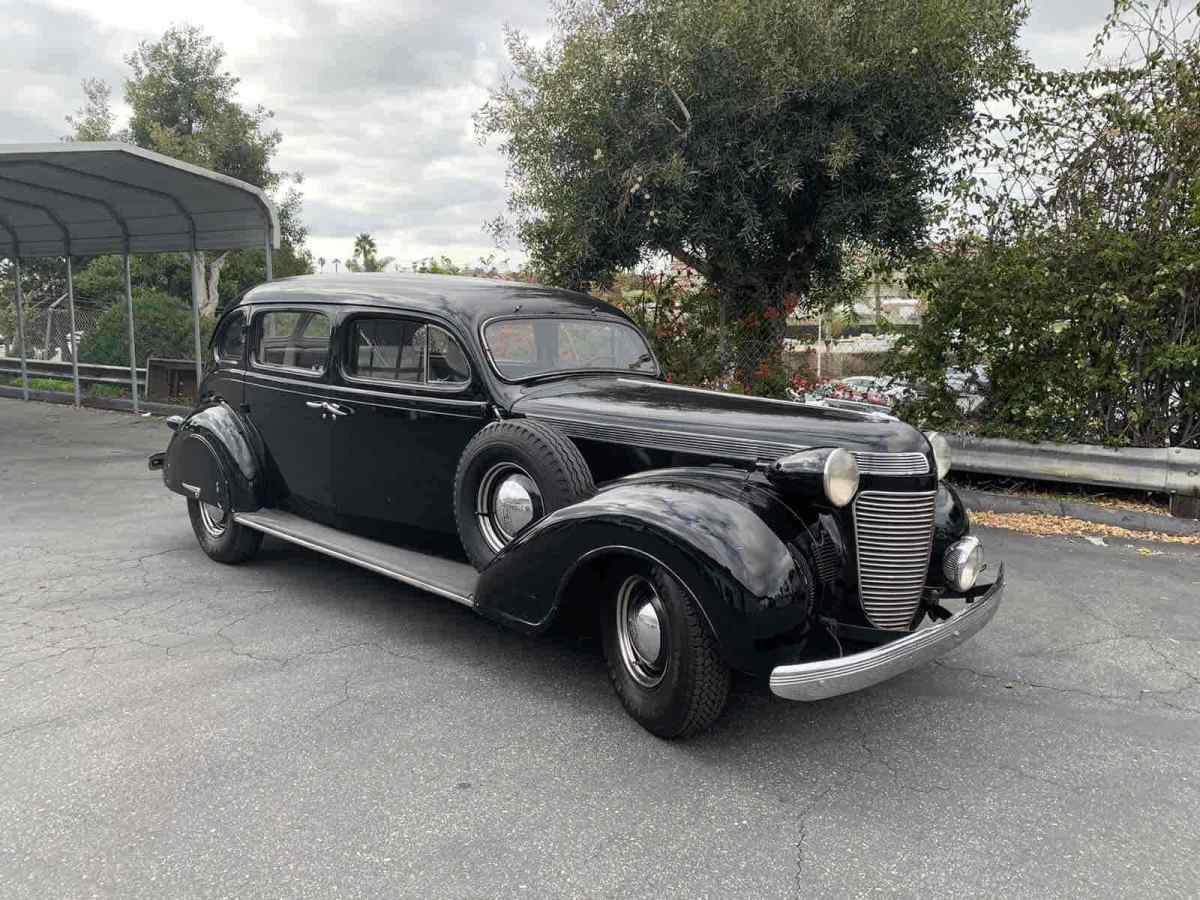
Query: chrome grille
[894,534]
[891,463]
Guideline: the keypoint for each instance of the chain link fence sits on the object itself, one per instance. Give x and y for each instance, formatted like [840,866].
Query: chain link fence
[48,333]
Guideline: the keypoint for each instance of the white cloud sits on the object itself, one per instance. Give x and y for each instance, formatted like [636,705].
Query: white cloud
[374,100]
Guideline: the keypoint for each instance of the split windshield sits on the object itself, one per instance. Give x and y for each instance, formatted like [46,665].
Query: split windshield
[526,348]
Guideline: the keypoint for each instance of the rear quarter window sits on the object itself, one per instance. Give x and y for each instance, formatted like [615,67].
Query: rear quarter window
[296,340]
[230,342]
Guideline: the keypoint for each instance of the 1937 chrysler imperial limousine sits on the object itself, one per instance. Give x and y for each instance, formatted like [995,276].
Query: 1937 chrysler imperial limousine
[361,416]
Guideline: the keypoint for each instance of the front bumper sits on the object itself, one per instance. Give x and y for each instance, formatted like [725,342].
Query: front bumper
[831,677]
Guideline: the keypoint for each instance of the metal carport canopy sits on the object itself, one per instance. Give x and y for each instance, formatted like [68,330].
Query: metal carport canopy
[84,199]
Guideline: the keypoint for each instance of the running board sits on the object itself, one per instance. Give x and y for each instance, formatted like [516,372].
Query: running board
[453,580]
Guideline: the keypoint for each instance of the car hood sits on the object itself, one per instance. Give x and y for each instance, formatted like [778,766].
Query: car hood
[644,412]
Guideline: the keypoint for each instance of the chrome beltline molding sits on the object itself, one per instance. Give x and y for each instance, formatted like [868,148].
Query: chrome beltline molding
[826,678]
[871,463]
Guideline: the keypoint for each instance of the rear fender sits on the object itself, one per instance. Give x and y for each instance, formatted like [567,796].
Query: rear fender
[736,554]
[212,457]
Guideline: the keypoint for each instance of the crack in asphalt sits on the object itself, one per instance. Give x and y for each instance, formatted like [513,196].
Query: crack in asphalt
[802,834]
[1118,699]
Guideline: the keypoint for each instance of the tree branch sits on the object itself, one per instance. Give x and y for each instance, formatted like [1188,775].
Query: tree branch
[687,115]
[693,261]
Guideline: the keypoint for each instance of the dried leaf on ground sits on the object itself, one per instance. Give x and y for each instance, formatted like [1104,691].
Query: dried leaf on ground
[1041,524]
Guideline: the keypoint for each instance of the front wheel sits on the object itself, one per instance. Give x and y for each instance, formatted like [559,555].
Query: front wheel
[219,535]
[662,661]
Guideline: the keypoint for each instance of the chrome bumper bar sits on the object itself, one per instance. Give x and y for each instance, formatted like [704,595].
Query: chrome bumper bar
[831,677]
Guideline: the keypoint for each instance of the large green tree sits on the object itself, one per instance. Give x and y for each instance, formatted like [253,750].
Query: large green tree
[184,104]
[753,140]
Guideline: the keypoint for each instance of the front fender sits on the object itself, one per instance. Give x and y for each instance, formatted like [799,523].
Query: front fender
[736,555]
[950,523]
[212,457]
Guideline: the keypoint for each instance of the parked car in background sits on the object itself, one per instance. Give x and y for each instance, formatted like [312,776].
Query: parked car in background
[376,418]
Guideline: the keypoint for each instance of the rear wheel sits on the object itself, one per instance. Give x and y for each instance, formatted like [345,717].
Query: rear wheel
[662,661]
[219,535]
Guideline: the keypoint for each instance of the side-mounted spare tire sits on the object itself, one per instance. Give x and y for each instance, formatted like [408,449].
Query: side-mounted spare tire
[511,474]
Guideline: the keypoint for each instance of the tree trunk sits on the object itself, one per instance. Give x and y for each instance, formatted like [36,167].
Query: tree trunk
[212,283]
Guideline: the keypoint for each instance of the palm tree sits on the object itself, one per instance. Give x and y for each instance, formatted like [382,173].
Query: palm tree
[365,249]
[335,265]
[321,262]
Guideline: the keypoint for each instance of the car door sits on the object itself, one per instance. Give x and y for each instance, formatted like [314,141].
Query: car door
[285,396]
[414,404]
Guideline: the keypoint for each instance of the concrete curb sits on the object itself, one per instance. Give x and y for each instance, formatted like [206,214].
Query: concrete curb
[113,403]
[985,501]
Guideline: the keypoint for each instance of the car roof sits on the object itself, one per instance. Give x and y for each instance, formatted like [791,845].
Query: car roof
[469,300]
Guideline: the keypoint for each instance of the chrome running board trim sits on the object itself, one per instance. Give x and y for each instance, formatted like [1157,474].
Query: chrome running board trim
[830,677]
[453,580]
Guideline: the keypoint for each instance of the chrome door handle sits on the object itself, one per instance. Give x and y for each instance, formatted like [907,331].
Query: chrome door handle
[335,410]
[314,404]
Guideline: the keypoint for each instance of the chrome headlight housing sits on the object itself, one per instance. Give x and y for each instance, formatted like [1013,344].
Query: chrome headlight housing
[941,452]
[840,477]
[962,563]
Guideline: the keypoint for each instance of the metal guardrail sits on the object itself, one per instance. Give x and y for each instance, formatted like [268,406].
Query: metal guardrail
[1169,470]
[88,374]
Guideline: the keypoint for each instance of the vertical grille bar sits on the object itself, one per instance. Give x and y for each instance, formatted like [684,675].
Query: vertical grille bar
[894,534]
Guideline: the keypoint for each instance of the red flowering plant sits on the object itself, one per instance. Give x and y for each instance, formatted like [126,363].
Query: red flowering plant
[684,326]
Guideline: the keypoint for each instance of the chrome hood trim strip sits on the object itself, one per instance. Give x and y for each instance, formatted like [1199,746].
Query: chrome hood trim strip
[726,446]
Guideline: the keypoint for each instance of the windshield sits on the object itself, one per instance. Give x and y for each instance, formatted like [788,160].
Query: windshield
[525,348]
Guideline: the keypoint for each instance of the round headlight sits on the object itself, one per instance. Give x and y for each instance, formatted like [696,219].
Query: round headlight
[941,452]
[840,477]
[962,563]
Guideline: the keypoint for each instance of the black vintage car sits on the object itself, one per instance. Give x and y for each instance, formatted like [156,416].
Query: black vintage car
[516,449]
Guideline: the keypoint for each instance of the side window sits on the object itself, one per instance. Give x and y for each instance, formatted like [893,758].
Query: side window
[293,340]
[231,339]
[387,350]
[398,350]
[447,361]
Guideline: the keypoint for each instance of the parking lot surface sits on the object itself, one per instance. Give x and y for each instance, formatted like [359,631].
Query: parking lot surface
[297,727]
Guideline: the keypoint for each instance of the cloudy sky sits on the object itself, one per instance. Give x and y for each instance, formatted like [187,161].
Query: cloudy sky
[374,99]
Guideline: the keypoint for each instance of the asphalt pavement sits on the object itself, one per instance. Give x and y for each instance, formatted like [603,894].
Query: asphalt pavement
[297,727]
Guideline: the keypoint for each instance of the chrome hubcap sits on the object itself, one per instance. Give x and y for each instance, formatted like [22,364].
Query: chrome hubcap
[640,615]
[508,499]
[213,518]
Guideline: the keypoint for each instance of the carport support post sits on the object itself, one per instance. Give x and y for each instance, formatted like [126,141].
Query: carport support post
[269,266]
[197,289]
[133,385]
[21,328]
[74,334]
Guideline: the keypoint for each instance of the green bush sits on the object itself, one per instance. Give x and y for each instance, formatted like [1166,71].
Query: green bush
[162,328]
[106,392]
[1074,277]
[49,384]
[1088,335]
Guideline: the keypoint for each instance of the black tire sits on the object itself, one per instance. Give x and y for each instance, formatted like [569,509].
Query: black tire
[545,456]
[226,541]
[693,687]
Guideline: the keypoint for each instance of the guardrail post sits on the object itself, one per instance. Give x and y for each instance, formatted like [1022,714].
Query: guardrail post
[21,329]
[74,339]
[133,385]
